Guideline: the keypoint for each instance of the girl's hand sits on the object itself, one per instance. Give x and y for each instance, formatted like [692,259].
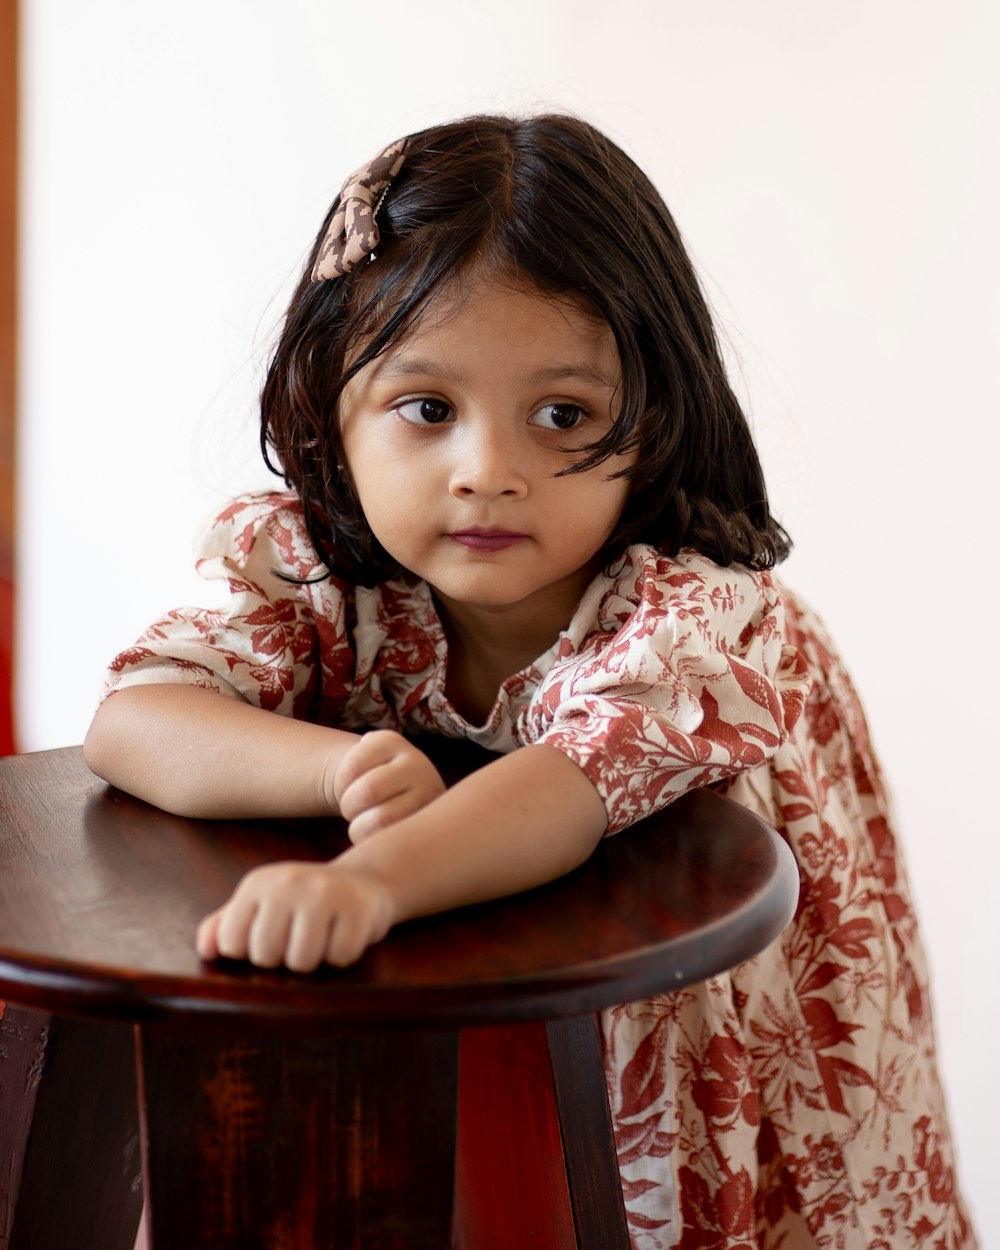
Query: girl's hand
[300,915]
[382,779]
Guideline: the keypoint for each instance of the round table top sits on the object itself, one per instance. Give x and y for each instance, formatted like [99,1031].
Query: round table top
[100,895]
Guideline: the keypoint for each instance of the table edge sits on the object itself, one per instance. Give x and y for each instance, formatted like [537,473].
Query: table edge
[113,994]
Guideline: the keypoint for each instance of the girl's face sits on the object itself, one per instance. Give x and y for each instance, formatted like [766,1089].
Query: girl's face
[454,438]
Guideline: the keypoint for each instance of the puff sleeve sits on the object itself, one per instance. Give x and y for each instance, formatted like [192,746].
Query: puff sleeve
[274,644]
[685,681]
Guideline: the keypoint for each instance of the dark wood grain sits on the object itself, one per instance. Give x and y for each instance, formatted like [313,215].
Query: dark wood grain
[260,1142]
[100,894]
[69,1133]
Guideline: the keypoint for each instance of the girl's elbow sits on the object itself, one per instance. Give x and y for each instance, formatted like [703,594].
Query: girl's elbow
[115,749]
[97,748]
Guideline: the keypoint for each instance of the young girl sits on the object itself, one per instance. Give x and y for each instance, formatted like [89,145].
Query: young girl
[525,508]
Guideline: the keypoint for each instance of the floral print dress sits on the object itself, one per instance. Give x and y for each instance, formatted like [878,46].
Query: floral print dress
[792,1102]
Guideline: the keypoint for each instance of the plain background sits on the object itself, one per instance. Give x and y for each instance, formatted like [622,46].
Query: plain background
[833,169]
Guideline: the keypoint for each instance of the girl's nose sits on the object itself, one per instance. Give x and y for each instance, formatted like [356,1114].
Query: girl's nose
[488,464]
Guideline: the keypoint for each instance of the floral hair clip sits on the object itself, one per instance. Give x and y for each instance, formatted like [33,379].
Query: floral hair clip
[352,234]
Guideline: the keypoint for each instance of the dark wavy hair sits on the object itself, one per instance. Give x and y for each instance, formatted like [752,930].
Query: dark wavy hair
[552,201]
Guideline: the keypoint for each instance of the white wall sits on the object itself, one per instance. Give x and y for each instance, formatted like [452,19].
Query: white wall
[833,168]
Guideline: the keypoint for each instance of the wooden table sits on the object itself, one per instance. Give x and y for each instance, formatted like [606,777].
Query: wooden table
[279,1111]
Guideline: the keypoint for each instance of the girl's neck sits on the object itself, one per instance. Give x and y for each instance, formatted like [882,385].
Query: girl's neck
[486,645]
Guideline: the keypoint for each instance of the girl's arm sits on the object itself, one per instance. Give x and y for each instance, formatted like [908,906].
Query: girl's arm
[198,753]
[520,821]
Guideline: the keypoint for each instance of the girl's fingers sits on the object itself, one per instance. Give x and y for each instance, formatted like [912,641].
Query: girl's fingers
[380,767]
[412,780]
[347,942]
[298,915]
[269,932]
[205,936]
[372,819]
[253,927]
[382,781]
[232,930]
[371,750]
[366,792]
[308,940]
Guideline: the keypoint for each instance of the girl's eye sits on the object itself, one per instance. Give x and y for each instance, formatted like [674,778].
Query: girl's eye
[424,411]
[559,416]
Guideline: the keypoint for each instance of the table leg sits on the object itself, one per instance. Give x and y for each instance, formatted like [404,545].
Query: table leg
[269,1142]
[69,1139]
[577,1053]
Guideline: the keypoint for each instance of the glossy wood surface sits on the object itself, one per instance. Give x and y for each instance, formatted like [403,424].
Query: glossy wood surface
[100,894]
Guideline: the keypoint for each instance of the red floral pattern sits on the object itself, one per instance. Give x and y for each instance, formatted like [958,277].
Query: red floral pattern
[793,1102]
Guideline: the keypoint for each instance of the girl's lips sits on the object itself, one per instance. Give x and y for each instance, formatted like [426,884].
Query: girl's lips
[486,540]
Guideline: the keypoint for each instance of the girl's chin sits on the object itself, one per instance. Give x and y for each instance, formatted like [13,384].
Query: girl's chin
[490,590]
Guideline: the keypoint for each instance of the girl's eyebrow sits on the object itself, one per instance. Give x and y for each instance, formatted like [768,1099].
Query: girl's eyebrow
[420,366]
[578,371]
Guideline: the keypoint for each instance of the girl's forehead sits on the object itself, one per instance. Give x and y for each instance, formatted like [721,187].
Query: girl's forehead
[481,308]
